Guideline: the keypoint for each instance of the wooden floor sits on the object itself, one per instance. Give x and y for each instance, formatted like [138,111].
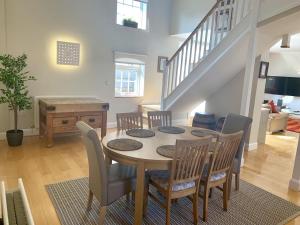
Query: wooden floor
[269,167]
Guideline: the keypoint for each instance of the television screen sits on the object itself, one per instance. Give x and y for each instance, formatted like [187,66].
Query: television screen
[293,86]
[276,85]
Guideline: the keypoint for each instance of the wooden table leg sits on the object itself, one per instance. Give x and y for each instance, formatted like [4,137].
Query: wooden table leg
[139,194]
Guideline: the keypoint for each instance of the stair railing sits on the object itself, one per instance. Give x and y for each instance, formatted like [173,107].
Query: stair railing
[213,28]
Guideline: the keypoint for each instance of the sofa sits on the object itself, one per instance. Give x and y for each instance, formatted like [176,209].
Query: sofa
[277,121]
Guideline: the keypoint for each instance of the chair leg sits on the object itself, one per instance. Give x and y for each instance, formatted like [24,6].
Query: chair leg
[128,197]
[225,196]
[90,201]
[210,192]
[145,205]
[229,186]
[168,211]
[195,208]
[132,195]
[102,215]
[237,181]
[205,203]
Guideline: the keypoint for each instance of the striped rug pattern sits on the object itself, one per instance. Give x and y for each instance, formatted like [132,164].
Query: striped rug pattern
[250,206]
[293,125]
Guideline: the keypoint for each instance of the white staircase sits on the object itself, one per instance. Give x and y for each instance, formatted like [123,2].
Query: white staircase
[212,55]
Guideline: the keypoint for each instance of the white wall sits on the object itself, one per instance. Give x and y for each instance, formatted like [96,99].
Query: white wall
[285,64]
[228,98]
[34,26]
[271,8]
[187,14]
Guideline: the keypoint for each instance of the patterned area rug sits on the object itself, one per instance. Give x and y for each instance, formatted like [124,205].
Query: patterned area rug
[251,205]
[293,125]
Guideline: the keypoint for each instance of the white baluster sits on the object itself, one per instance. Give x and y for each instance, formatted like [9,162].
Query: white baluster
[190,64]
[212,32]
[206,37]
[242,10]
[201,40]
[218,22]
[181,64]
[195,48]
[184,62]
[235,12]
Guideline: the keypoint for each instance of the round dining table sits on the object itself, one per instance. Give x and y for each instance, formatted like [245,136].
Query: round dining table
[146,158]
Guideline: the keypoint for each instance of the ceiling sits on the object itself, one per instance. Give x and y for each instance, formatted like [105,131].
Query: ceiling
[295,45]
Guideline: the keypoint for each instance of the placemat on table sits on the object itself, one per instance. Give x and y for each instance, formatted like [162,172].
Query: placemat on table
[124,144]
[204,133]
[166,150]
[140,133]
[171,130]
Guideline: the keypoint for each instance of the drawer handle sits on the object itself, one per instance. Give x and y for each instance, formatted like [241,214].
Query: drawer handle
[92,120]
[65,121]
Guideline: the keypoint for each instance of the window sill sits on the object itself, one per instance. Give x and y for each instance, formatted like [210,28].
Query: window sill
[133,29]
[129,96]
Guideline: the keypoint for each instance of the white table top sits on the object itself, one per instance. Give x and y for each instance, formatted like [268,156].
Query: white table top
[148,151]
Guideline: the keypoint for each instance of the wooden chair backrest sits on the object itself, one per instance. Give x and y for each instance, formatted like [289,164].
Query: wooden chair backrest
[127,121]
[189,160]
[228,145]
[159,118]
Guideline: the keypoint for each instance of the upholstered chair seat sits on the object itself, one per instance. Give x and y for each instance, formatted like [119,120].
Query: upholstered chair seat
[213,177]
[162,177]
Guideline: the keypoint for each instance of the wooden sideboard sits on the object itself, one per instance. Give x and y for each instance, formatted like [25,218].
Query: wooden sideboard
[59,115]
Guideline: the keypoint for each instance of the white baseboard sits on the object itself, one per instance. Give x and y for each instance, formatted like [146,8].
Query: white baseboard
[251,146]
[27,132]
[294,184]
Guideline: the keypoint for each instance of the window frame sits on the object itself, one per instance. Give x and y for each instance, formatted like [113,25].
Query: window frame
[140,80]
[131,28]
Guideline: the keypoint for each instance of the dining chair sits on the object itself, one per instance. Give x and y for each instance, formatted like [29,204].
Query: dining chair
[127,121]
[219,169]
[183,177]
[159,118]
[204,120]
[107,183]
[234,123]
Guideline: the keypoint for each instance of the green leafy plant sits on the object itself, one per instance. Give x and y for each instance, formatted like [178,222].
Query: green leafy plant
[14,78]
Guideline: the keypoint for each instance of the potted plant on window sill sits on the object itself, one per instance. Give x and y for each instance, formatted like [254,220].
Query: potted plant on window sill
[14,91]
[130,23]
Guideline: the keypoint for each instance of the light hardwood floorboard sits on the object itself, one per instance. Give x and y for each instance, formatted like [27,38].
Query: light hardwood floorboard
[269,167]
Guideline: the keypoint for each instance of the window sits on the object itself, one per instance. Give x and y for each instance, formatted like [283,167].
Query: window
[133,10]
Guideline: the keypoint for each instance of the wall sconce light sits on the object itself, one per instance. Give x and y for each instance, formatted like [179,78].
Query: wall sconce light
[68,53]
[286,41]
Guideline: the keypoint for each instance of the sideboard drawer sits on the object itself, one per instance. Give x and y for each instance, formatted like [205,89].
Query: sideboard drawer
[93,120]
[64,122]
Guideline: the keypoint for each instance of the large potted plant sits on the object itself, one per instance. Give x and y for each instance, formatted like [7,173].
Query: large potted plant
[14,92]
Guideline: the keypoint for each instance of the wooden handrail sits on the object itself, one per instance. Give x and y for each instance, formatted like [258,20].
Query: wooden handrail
[195,30]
